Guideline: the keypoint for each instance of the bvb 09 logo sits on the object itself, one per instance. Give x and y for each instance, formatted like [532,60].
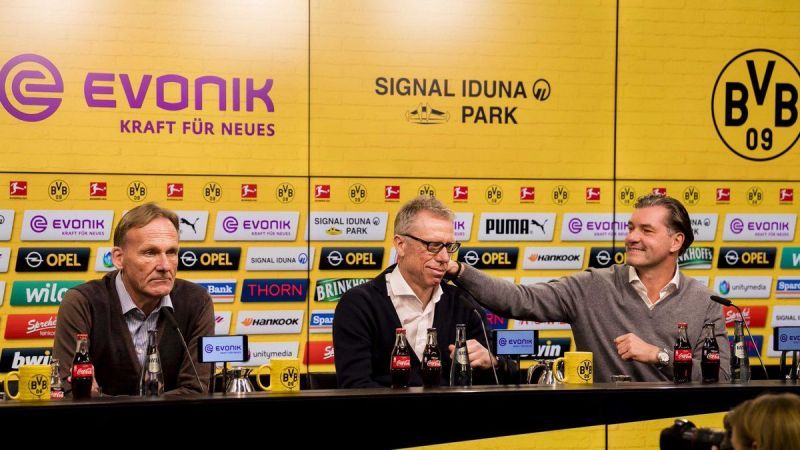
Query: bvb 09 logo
[754,105]
[289,377]
[585,370]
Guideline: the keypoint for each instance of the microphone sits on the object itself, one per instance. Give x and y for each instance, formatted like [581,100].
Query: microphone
[169,317]
[726,302]
[473,303]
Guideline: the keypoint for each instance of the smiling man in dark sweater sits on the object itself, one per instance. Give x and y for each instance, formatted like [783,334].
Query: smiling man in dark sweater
[626,315]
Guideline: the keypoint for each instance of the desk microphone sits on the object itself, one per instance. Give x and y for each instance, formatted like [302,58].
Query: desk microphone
[726,302]
[169,317]
[473,303]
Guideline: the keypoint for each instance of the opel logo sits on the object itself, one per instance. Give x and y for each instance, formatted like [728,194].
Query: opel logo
[603,257]
[731,257]
[188,258]
[34,259]
[334,258]
[471,257]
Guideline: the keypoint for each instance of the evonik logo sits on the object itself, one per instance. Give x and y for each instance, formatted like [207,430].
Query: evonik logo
[36,86]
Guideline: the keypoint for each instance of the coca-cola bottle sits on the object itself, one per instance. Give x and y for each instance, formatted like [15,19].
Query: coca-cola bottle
[682,356]
[400,364]
[56,388]
[460,370]
[740,363]
[152,381]
[431,361]
[709,364]
[82,369]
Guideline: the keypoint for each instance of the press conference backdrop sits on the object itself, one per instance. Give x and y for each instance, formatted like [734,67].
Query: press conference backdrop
[287,134]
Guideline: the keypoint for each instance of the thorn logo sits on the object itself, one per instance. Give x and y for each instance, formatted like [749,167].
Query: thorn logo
[22,72]
[754,105]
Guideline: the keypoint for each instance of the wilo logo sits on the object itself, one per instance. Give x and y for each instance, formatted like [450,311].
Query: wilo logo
[754,104]
[40,293]
[23,71]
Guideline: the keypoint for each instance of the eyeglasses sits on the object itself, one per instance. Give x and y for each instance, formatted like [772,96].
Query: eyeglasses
[436,247]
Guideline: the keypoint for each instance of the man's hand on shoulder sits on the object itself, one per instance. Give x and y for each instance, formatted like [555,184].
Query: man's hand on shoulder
[631,347]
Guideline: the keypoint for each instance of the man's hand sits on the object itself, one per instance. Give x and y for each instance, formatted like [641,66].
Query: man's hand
[631,347]
[452,269]
[479,357]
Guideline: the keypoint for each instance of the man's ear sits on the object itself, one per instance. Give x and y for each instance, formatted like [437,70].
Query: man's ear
[116,257]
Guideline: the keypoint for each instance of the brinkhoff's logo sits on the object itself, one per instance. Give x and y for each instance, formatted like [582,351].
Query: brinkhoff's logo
[37,89]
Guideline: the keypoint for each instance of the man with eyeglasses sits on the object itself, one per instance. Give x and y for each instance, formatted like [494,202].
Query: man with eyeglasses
[410,295]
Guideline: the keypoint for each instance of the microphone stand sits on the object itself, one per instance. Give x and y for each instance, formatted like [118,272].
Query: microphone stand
[483,328]
[746,327]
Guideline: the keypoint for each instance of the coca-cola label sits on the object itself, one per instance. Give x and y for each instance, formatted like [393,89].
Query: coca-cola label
[434,363]
[56,394]
[401,362]
[83,371]
[712,356]
[683,355]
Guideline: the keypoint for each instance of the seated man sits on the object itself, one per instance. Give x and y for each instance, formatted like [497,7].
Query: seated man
[411,295]
[118,310]
[627,314]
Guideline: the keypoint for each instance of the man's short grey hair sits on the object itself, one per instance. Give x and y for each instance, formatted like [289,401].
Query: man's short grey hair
[404,219]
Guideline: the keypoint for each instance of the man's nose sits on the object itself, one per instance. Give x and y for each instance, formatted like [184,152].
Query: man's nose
[442,256]
[164,262]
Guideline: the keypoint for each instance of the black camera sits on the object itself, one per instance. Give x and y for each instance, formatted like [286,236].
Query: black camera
[684,435]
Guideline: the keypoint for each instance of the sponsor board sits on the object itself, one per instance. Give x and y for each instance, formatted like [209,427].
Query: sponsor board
[52,259]
[13,358]
[787,287]
[103,262]
[790,258]
[209,258]
[785,316]
[696,258]
[704,226]
[2,291]
[270,322]
[221,291]
[5,256]
[40,293]
[50,225]
[531,325]
[754,316]
[743,287]
[552,348]
[489,257]
[222,322]
[274,290]
[462,226]
[321,322]
[262,352]
[347,226]
[319,352]
[192,225]
[746,257]
[30,326]
[517,226]
[602,257]
[6,224]
[594,227]
[751,346]
[332,289]
[351,258]
[256,226]
[279,258]
[759,227]
[553,258]
[496,322]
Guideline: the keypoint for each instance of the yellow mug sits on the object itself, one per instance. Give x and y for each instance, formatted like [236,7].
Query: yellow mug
[34,383]
[284,375]
[578,368]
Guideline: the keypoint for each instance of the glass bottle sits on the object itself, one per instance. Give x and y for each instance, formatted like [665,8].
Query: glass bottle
[152,381]
[460,370]
[431,361]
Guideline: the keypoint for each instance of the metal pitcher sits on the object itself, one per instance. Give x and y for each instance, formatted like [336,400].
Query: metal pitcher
[239,381]
[541,373]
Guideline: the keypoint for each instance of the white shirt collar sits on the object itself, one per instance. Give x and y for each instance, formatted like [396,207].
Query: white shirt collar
[636,282]
[398,286]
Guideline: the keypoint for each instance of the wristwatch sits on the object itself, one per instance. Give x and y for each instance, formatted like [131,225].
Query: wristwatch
[663,358]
